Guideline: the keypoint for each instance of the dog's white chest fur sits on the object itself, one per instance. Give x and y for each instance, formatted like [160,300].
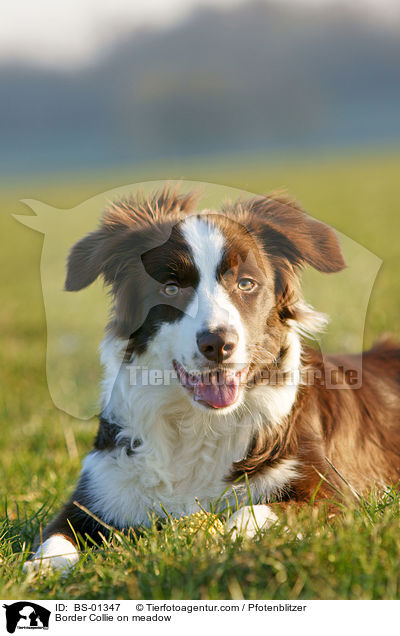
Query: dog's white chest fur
[182,455]
[180,464]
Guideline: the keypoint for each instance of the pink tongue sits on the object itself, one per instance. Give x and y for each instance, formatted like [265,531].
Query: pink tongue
[218,395]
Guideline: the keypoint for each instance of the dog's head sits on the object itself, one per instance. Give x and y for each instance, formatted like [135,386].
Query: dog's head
[210,294]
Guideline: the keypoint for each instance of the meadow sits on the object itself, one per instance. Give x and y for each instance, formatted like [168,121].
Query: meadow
[352,556]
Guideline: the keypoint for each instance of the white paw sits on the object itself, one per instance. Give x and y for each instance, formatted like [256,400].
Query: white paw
[251,520]
[56,553]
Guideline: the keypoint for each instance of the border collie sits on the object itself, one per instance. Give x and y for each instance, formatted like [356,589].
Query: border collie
[208,387]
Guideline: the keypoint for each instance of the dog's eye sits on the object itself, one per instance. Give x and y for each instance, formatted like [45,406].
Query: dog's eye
[170,289]
[246,284]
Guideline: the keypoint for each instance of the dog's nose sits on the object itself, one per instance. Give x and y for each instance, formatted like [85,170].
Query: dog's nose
[217,345]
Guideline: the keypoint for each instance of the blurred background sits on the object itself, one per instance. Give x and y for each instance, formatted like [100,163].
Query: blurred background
[89,85]
[258,95]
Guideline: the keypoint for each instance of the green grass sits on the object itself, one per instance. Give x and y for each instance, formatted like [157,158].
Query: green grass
[353,556]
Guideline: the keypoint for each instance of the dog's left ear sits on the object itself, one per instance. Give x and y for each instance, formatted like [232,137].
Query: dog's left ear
[287,231]
[86,261]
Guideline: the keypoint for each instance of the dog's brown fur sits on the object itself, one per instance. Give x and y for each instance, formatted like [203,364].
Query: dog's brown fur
[340,434]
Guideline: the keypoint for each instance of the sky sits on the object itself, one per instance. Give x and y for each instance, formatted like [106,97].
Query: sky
[70,33]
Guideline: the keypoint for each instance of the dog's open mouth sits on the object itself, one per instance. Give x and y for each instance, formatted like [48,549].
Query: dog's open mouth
[217,388]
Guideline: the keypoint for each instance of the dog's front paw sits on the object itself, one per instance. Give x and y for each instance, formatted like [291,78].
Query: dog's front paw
[56,553]
[250,521]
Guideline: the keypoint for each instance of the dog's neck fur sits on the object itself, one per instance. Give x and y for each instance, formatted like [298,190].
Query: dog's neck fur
[178,451]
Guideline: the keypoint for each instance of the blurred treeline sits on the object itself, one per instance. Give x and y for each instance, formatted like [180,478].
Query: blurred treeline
[259,77]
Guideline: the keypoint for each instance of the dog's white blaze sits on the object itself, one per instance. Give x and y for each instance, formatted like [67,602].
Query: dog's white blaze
[207,244]
[56,552]
[214,307]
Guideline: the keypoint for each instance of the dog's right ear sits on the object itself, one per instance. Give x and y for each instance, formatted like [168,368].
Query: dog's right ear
[100,251]
[86,261]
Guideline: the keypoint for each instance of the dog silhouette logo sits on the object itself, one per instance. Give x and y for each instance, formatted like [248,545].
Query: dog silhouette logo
[75,322]
[26,615]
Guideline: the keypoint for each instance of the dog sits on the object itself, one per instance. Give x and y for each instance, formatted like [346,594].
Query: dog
[208,385]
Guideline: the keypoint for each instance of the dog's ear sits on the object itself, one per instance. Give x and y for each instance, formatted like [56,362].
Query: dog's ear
[87,260]
[287,231]
[99,253]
